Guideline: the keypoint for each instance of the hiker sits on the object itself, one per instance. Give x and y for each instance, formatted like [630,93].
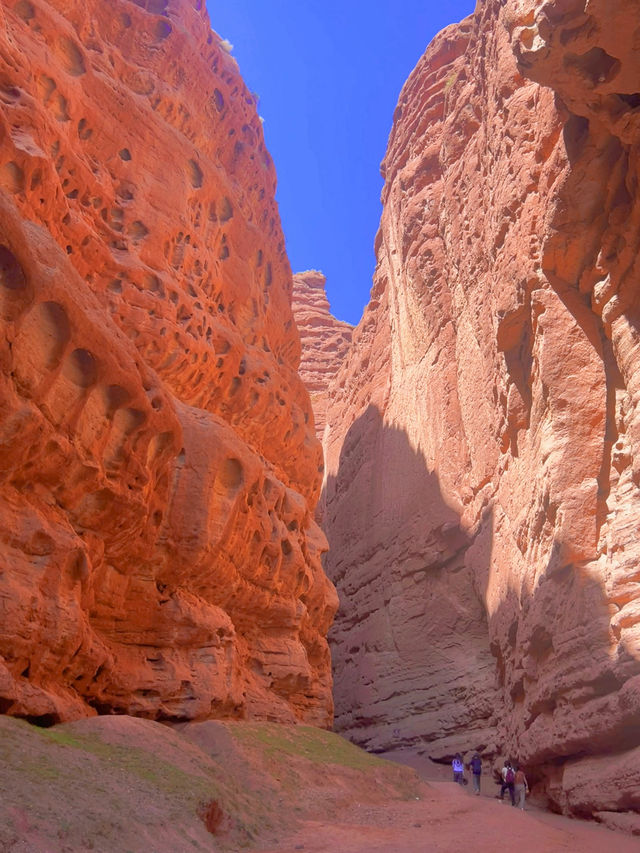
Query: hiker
[475,765]
[521,787]
[508,779]
[458,769]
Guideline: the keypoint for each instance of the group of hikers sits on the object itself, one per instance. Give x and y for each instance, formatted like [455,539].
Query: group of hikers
[513,779]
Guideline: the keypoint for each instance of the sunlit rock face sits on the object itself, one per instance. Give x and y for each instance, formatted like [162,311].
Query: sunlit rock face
[324,340]
[159,471]
[483,448]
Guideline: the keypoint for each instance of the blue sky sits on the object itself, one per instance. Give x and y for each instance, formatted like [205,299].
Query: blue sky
[328,74]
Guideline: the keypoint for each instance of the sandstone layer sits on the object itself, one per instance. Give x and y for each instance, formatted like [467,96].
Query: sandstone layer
[483,447]
[159,471]
[324,340]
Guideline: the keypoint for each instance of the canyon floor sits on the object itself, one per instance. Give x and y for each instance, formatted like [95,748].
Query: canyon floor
[126,785]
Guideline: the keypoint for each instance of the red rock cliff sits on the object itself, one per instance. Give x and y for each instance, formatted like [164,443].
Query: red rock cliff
[483,448]
[158,554]
[324,340]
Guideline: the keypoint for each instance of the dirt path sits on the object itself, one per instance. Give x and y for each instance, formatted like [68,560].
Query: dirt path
[449,819]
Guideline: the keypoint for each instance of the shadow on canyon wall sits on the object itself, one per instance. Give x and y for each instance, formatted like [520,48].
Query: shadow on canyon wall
[419,658]
[412,660]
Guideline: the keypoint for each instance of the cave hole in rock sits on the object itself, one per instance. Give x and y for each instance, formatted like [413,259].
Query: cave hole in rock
[138,230]
[84,131]
[163,30]
[12,275]
[195,174]
[12,178]
[44,721]
[596,65]
[630,100]
[49,332]
[25,10]
[81,368]
[218,100]
[127,421]
[575,134]
[72,57]
[225,210]
[115,397]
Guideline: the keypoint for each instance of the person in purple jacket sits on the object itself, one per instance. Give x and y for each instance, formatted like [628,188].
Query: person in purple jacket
[508,780]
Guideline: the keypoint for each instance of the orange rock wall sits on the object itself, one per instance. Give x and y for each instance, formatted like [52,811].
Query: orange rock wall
[158,553]
[483,448]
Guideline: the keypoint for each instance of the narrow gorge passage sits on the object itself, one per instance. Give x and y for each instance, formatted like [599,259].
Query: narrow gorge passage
[221,506]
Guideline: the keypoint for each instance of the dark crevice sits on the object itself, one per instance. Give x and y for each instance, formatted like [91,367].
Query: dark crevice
[44,721]
[632,100]
[576,134]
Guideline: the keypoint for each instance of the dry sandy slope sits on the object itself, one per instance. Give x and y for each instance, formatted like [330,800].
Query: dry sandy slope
[126,785]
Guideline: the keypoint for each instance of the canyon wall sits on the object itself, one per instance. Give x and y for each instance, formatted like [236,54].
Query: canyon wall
[159,470]
[324,340]
[483,439]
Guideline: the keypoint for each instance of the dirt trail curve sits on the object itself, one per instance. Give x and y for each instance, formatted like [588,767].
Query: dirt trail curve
[449,819]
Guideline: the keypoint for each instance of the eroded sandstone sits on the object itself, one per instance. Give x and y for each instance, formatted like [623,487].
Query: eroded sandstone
[159,469]
[324,340]
[483,440]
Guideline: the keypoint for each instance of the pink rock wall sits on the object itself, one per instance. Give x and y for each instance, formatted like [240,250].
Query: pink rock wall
[483,445]
[159,471]
[324,340]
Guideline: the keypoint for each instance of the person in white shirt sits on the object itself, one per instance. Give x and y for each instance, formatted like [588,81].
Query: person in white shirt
[457,766]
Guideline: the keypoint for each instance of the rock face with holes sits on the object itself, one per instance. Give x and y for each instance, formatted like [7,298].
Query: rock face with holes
[483,448]
[158,553]
[324,340]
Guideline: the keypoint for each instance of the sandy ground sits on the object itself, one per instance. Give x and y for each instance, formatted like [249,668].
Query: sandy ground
[449,819]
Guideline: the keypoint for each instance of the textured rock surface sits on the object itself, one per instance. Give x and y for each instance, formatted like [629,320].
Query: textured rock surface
[483,451]
[158,554]
[324,340]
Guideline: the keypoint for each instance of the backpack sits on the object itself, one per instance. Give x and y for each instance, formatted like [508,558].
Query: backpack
[509,776]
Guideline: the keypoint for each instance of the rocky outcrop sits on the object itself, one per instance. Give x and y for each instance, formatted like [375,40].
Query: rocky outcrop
[483,449]
[158,553]
[324,340]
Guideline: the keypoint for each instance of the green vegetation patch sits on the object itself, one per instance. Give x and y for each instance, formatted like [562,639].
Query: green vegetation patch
[315,745]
